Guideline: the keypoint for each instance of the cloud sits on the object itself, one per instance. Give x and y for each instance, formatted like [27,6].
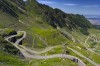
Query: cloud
[70,4]
[47,2]
[24,0]
[88,6]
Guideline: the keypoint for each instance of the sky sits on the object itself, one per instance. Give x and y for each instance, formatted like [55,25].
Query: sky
[84,7]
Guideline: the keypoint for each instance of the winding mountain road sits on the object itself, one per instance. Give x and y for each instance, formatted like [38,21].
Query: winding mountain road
[26,52]
[92,62]
[24,35]
[89,49]
[39,52]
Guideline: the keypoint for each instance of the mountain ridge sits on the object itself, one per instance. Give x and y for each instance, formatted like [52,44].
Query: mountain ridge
[53,16]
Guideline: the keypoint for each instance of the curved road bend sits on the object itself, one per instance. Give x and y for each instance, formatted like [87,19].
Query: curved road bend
[40,52]
[92,62]
[24,35]
[84,44]
[17,42]
[27,55]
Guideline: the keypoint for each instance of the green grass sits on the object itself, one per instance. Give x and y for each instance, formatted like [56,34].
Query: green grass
[86,53]
[6,31]
[51,36]
[10,60]
[57,50]
[84,60]
[61,49]
[36,28]
[83,50]
[20,34]
[6,20]
[53,62]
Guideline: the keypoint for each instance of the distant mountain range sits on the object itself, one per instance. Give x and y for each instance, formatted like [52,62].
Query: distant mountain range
[94,19]
[92,16]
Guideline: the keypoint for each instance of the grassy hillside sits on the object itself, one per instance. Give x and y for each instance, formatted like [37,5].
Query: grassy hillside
[10,60]
[45,27]
[23,16]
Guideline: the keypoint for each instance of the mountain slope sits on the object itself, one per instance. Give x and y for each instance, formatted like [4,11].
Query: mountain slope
[45,27]
[56,17]
[32,14]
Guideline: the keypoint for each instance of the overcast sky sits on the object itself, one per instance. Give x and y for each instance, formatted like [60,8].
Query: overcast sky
[85,7]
